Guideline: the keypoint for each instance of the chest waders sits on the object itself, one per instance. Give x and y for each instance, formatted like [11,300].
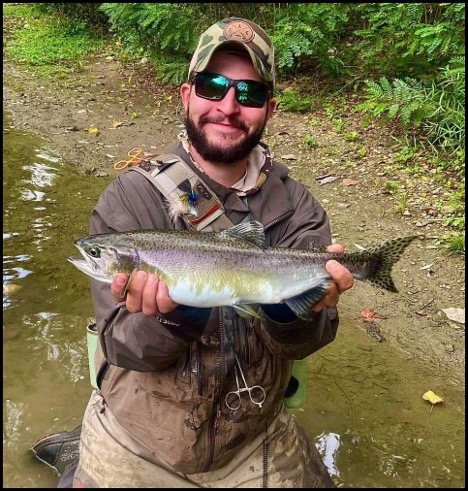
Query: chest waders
[173,177]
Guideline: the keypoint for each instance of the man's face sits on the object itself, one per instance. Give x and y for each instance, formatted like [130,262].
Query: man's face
[225,131]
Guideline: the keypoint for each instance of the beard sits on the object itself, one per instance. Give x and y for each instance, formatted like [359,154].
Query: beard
[221,154]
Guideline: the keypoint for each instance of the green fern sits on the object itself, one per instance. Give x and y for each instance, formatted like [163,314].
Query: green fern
[173,73]
[292,100]
[414,12]
[397,98]
[438,109]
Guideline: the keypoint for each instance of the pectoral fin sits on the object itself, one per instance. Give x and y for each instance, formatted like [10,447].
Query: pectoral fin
[125,289]
[302,304]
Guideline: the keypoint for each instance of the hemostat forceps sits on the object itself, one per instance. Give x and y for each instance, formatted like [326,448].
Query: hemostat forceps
[256,393]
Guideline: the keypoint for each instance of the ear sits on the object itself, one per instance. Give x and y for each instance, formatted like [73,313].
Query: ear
[185,94]
[272,103]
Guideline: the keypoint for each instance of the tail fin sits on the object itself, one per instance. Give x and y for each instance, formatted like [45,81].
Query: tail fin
[381,259]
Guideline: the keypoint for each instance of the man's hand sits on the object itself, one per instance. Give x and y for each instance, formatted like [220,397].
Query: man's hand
[342,280]
[146,293]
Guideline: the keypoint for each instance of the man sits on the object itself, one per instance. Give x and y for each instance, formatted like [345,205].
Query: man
[160,417]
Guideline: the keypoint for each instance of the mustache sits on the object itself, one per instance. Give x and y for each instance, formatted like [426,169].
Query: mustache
[221,119]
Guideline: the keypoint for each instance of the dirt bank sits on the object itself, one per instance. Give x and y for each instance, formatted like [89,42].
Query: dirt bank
[129,110]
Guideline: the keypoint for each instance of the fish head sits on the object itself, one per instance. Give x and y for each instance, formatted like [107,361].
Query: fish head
[102,258]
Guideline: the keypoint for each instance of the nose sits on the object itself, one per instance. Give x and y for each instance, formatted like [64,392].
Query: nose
[229,104]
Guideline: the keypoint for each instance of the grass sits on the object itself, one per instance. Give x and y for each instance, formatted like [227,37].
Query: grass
[392,188]
[49,46]
[403,202]
[455,243]
[22,12]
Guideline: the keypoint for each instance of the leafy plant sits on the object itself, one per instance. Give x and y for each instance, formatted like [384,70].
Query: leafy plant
[306,35]
[24,11]
[314,122]
[409,40]
[339,125]
[402,98]
[159,31]
[292,100]
[405,155]
[403,202]
[436,110]
[311,141]
[84,12]
[172,73]
[445,126]
[392,187]
[351,136]
[362,151]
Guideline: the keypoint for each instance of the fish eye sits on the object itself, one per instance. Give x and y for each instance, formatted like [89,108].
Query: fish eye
[94,252]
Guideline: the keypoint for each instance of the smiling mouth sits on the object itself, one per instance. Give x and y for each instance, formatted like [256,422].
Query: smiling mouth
[229,126]
[226,122]
[228,129]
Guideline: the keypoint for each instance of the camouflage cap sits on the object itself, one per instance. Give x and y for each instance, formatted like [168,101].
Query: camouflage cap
[235,32]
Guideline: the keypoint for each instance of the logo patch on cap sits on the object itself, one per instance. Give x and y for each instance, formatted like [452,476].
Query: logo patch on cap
[238,31]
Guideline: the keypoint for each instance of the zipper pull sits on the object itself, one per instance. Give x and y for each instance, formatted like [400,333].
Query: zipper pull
[218,415]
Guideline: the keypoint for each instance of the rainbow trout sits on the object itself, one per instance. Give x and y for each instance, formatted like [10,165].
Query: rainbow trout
[232,267]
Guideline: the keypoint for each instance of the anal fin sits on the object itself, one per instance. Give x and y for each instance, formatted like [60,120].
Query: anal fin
[302,304]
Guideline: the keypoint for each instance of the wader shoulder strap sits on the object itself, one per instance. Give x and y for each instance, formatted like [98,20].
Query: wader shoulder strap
[174,178]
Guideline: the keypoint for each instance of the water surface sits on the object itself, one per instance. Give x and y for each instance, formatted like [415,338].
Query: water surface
[366,411]
[46,301]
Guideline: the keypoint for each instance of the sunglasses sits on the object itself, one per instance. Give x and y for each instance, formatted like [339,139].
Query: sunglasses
[214,87]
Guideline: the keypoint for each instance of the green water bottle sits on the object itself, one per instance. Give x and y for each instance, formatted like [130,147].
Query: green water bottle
[92,340]
[297,392]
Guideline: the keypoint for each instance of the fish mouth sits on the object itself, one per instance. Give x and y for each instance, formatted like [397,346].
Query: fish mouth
[89,269]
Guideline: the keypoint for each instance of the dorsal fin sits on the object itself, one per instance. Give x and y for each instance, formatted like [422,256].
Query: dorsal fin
[247,231]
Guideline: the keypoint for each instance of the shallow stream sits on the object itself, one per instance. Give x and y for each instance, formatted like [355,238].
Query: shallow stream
[365,407]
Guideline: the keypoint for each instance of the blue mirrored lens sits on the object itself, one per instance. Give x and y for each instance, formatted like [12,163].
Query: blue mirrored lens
[214,86]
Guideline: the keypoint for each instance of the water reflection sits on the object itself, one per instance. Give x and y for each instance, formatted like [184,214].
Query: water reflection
[46,302]
[8,235]
[328,445]
[25,183]
[31,195]
[14,413]
[41,174]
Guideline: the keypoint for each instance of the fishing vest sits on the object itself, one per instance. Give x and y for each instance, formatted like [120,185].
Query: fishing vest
[177,181]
